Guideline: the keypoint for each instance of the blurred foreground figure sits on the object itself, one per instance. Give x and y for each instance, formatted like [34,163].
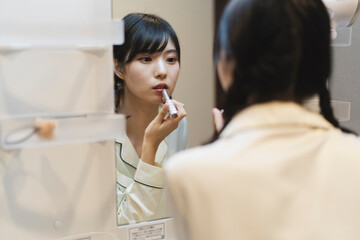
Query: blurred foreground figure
[276,170]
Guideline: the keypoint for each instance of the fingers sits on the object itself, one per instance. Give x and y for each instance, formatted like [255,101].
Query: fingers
[181,110]
[164,119]
[161,127]
[218,119]
[163,111]
[178,104]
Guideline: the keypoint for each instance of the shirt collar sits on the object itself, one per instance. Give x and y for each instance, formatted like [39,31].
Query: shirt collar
[130,156]
[275,114]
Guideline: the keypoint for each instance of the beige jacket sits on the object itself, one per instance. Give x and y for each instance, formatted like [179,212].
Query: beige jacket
[140,186]
[278,172]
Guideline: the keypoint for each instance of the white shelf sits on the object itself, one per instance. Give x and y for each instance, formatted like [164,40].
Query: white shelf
[17,133]
[22,36]
[58,22]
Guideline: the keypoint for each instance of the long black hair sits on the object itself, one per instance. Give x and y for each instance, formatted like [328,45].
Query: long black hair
[282,52]
[144,33]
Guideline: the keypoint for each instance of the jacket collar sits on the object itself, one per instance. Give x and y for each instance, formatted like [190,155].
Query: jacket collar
[274,114]
[129,155]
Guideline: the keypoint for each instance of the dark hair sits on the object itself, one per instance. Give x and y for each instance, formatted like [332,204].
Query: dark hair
[282,52]
[144,33]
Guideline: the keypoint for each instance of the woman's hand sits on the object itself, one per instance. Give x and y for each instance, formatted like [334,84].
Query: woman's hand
[218,119]
[158,130]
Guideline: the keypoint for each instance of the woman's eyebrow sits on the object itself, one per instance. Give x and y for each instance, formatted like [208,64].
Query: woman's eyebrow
[171,51]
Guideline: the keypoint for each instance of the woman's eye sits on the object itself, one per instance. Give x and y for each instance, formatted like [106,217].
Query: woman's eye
[145,59]
[172,60]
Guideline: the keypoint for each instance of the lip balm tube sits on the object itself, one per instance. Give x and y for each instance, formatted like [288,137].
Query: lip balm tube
[172,109]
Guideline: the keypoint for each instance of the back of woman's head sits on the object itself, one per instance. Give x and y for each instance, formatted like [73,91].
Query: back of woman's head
[144,33]
[281,50]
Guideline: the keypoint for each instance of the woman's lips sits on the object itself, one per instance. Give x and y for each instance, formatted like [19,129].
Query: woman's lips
[160,87]
[159,90]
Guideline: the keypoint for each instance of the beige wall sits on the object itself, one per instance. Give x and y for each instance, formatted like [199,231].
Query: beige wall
[193,23]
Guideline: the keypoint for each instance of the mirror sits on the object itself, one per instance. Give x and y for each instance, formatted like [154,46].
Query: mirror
[193,24]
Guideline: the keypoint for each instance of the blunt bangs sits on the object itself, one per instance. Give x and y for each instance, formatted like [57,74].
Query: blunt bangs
[144,33]
[148,34]
[147,40]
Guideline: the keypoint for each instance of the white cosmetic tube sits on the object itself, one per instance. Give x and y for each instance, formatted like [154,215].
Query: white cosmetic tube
[172,108]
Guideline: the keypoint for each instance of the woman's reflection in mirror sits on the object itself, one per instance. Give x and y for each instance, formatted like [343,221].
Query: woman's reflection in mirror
[146,64]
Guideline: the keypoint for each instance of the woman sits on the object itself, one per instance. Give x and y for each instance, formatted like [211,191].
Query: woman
[146,64]
[276,170]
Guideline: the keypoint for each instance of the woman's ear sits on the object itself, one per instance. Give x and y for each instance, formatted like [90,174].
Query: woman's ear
[119,71]
[225,69]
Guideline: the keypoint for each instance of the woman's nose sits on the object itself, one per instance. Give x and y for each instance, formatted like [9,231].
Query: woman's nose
[161,70]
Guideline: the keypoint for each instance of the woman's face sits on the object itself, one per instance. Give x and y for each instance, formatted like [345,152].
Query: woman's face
[147,74]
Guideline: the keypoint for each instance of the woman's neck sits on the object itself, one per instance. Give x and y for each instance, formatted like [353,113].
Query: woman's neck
[139,114]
